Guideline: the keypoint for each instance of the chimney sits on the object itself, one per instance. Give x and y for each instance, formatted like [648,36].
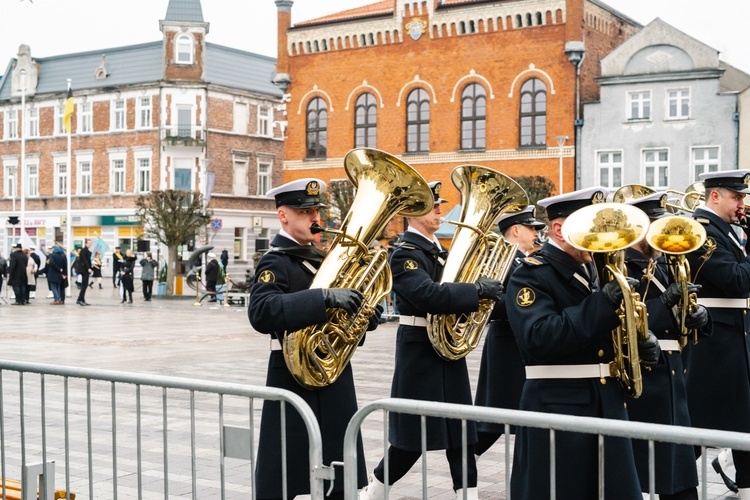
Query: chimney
[284,22]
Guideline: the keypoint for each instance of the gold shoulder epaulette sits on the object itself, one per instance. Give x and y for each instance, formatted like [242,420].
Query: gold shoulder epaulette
[703,220]
[533,261]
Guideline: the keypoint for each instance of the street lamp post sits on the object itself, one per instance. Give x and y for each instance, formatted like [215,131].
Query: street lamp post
[560,143]
[23,152]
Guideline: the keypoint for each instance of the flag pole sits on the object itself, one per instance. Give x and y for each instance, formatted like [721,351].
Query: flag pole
[22,169]
[68,216]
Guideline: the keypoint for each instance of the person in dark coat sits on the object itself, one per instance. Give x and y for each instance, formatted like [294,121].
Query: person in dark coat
[664,397]
[501,372]
[117,259]
[17,277]
[281,300]
[212,274]
[563,323]
[57,270]
[127,276]
[85,269]
[148,274]
[224,259]
[420,373]
[718,367]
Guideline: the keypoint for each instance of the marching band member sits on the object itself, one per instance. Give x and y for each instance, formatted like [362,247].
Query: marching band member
[280,301]
[501,373]
[563,323]
[718,373]
[420,372]
[664,397]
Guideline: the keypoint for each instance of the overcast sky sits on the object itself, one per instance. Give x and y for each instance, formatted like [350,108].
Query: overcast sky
[53,27]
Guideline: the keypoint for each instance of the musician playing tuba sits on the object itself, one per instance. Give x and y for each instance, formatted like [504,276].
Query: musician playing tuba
[280,301]
[563,325]
[420,372]
[664,398]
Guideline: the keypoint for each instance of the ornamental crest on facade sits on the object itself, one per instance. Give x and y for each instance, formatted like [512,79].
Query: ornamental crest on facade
[415,28]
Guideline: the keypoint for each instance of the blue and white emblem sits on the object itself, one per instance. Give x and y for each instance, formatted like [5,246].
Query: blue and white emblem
[416,28]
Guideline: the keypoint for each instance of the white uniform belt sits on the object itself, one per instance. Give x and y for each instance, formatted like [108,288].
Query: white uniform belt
[725,303]
[275,345]
[412,321]
[600,370]
[669,345]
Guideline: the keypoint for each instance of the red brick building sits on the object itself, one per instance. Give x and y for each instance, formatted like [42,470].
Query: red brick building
[178,113]
[441,83]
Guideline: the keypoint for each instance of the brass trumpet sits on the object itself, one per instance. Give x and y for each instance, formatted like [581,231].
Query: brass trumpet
[675,237]
[677,202]
[609,229]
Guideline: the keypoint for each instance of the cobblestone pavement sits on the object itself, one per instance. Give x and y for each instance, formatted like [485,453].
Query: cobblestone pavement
[173,337]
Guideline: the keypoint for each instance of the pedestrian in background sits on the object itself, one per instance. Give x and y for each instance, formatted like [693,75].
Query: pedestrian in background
[31,269]
[224,260]
[84,269]
[38,261]
[56,274]
[96,266]
[17,274]
[148,273]
[3,270]
[117,259]
[212,275]
[127,269]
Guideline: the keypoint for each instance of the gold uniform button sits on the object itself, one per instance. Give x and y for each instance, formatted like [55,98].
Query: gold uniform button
[684,371]
[603,381]
[601,353]
[625,405]
[673,373]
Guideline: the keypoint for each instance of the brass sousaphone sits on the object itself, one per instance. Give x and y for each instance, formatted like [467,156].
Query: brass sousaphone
[609,229]
[317,355]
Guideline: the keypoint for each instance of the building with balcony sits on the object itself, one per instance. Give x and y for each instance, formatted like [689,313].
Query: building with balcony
[178,113]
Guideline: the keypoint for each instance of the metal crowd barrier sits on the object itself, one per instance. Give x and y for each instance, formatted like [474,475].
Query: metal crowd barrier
[602,427]
[105,434]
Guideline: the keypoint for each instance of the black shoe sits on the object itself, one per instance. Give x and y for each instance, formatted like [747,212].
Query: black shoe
[100,286]
[80,303]
[728,482]
[91,285]
[130,301]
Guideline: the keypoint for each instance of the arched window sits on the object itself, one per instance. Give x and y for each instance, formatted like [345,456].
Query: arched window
[417,121]
[473,117]
[183,49]
[533,113]
[317,128]
[365,121]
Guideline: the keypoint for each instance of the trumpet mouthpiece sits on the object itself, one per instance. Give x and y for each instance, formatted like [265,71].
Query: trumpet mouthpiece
[316,228]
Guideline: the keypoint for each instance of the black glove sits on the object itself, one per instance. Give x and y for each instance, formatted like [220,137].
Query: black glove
[347,299]
[613,292]
[649,350]
[672,295]
[698,319]
[375,318]
[487,288]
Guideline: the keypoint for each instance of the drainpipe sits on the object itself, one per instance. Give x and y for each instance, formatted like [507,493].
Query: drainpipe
[576,53]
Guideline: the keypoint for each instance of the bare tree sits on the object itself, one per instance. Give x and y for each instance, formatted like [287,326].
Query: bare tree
[172,217]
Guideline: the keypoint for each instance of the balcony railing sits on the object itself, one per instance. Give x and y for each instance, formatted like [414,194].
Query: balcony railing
[184,136]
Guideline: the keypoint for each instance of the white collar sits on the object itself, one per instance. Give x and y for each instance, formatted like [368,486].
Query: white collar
[288,236]
[411,229]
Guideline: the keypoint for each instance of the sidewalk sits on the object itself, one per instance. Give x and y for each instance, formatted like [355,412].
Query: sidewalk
[171,336]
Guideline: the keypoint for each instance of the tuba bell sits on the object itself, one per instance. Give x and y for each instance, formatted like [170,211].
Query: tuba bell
[676,236]
[609,229]
[677,202]
[475,251]
[386,186]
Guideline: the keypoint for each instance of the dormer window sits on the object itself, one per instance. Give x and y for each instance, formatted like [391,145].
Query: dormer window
[183,48]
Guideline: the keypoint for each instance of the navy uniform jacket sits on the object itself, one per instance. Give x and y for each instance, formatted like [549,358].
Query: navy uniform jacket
[664,397]
[718,373]
[281,301]
[501,373]
[557,320]
[420,372]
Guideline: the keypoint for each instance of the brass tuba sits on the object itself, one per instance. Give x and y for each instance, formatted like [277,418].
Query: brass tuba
[609,229]
[675,237]
[386,186]
[475,251]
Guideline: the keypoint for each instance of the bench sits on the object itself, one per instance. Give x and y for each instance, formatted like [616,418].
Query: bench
[13,491]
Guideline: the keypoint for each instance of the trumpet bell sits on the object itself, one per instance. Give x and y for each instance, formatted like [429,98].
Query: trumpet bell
[631,192]
[676,235]
[605,227]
